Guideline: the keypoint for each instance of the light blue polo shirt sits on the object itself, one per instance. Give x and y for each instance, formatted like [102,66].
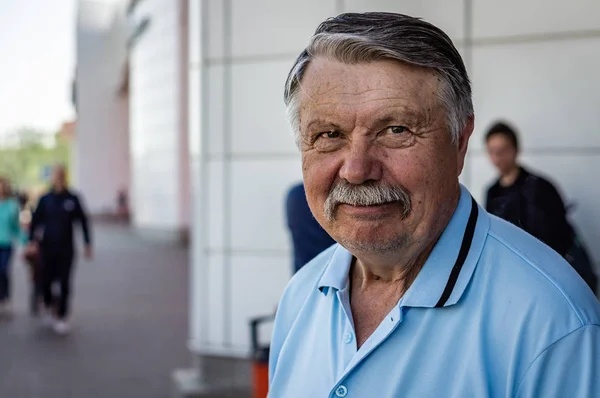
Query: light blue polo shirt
[506,318]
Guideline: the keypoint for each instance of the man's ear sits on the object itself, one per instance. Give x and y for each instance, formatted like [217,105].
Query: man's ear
[463,142]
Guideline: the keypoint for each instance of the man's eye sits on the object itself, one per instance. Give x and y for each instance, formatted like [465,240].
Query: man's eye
[397,129]
[330,134]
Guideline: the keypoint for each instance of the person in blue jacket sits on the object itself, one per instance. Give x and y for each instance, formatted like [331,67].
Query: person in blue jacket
[10,231]
[308,237]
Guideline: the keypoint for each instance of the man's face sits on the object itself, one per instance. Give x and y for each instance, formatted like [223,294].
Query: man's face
[378,127]
[59,178]
[502,152]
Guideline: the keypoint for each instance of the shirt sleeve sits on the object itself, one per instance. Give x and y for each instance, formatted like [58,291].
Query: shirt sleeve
[568,368]
[83,220]
[38,218]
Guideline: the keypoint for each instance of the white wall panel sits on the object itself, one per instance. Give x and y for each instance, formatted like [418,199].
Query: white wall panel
[258,192]
[214,107]
[216,301]
[548,90]
[492,18]
[195,32]
[194,112]
[482,173]
[155,191]
[259,123]
[216,205]
[446,14]
[101,150]
[264,27]
[215,28]
[157,101]
[256,286]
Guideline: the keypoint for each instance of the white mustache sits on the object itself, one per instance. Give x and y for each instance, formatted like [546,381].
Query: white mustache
[367,194]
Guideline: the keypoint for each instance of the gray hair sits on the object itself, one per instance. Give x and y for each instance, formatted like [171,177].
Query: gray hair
[355,38]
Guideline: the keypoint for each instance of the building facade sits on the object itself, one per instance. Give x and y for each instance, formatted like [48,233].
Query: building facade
[101,150]
[131,100]
[160,197]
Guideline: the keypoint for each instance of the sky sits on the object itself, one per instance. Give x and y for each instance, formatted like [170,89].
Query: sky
[37,63]
[37,43]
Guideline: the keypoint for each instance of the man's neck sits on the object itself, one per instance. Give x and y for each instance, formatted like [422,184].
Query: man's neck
[363,275]
[509,178]
[402,266]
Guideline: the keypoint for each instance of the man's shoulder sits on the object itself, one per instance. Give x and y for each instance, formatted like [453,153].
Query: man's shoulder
[296,190]
[299,289]
[12,205]
[538,181]
[44,197]
[13,202]
[296,198]
[307,278]
[73,194]
[493,186]
[535,273]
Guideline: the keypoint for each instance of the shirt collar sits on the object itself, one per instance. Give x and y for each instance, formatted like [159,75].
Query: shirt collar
[436,275]
[337,270]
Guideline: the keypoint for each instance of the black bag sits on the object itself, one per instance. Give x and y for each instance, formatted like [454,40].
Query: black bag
[577,254]
[581,261]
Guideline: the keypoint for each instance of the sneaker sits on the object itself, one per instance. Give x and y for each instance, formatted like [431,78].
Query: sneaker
[61,327]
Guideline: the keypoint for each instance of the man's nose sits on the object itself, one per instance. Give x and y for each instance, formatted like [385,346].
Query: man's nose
[361,163]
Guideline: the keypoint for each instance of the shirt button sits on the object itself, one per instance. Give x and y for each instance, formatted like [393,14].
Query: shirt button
[341,391]
[347,338]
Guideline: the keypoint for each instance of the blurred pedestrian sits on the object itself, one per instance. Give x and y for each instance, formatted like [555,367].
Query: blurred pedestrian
[56,213]
[308,237]
[531,202]
[122,205]
[9,232]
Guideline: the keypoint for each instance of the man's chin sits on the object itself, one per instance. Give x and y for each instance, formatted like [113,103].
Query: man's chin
[369,245]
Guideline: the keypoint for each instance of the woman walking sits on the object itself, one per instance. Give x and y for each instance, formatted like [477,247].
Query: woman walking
[9,231]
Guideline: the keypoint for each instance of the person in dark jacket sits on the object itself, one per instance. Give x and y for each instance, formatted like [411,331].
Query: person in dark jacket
[526,199]
[308,237]
[522,198]
[55,215]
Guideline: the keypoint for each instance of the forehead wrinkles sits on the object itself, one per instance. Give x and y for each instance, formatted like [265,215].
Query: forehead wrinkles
[357,106]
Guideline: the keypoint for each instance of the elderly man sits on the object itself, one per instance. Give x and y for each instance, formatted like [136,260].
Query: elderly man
[426,294]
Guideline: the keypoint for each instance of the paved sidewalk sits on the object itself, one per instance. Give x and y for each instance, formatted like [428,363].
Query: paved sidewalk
[129,326]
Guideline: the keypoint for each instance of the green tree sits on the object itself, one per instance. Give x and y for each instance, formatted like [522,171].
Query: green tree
[27,151]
